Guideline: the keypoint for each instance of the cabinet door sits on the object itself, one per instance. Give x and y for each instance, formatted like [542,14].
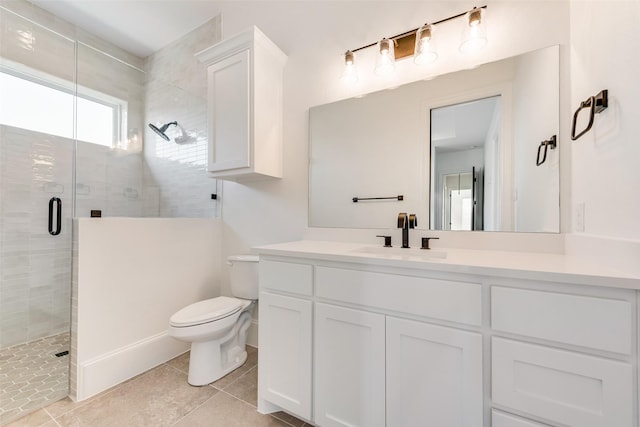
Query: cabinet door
[229,113]
[434,375]
[285,353]
[349,367]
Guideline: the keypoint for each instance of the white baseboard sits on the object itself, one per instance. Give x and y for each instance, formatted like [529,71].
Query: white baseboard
[110,369]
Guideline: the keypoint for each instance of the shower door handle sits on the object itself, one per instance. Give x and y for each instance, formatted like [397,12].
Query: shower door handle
[55,201]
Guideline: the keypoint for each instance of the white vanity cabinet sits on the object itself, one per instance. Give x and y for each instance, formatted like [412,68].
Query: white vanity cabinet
[371,366]
[396,343]
[245,106]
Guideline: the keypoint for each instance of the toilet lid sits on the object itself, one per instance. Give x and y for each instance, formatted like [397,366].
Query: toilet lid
[206,311]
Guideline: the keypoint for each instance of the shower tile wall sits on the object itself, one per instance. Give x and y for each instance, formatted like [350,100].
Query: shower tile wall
[110,179]
[34,266]
[176,91]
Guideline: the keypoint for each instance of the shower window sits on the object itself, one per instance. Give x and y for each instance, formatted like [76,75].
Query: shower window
[25,97]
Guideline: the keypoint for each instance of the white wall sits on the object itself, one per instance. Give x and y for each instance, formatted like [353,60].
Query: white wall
[132,275]
[605,181]
[606,177]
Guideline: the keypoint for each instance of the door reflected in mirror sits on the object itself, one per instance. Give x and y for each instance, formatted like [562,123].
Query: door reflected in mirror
[465,138]
[459,201]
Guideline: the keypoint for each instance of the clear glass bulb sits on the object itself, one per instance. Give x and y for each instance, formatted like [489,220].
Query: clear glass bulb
[350,72]
[425,50]
[385,62]
[474,36]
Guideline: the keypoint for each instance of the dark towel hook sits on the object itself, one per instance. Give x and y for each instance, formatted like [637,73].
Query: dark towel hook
[551,143]
[596,104]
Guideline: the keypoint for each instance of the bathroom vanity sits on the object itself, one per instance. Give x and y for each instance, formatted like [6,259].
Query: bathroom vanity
[357,335]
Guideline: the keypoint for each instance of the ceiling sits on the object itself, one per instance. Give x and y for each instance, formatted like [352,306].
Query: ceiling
[143,27]
[138,26]
[463,126]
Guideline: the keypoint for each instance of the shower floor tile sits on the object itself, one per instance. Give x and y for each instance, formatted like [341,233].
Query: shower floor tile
[32,376]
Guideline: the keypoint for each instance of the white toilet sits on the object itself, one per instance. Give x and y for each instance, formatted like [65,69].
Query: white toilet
[217,328]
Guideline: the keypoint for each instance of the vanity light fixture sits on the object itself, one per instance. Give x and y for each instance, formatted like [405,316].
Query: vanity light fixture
[419,43]
[474,36]
[386,60]
[425,51]
[350,73]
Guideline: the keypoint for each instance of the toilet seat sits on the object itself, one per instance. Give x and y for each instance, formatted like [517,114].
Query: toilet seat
[206,311]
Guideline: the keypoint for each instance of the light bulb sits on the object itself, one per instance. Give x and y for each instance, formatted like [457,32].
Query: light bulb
[474,36]
[385,62]
[350,72]
[425,51]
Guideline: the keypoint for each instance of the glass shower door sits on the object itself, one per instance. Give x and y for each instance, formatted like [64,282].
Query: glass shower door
[37,103]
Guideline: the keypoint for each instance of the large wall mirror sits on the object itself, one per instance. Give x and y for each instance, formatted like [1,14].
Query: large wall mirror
[470,150]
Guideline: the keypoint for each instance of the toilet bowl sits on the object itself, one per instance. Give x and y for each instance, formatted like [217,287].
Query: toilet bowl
[217,328]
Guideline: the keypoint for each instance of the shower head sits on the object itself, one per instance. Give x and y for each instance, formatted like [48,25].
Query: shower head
[162,129]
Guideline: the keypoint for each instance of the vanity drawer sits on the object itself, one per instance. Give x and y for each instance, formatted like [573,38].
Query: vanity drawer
[564,387]
[286,277]
[439,299]
[600,323]
[502,419]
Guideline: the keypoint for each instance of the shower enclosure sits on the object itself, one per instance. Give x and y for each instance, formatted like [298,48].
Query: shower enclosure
[73,114]
[37,68]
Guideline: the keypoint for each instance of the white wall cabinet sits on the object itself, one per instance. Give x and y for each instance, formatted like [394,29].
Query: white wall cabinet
[434,375]
[245,106]
[349,362]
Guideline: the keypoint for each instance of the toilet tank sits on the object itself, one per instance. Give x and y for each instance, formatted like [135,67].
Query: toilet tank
[243,276]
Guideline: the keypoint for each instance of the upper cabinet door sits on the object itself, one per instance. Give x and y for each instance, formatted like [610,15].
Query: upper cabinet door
[245,106]
[229,113]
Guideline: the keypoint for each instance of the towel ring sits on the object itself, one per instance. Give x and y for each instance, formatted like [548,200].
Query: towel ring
[596,104]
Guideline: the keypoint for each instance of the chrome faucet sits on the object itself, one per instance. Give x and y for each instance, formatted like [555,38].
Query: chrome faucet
[406,222]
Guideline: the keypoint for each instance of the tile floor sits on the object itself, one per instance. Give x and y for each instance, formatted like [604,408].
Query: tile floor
[162,397]
[31,376]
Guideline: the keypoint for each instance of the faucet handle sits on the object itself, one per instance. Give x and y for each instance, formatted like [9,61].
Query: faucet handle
[425,242]
[387,241]
[413,221]
[402,219]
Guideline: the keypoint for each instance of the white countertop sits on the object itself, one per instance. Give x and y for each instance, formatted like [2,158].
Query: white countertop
[523,265]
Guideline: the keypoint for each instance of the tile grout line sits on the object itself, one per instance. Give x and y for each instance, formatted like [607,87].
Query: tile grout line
[255,407]
[54,418]
[241,376]
[176,369]
[197,407]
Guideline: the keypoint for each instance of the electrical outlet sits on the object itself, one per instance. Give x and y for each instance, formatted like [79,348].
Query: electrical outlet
[579,217]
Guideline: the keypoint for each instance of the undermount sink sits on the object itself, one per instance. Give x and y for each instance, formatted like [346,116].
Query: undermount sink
[402,253]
